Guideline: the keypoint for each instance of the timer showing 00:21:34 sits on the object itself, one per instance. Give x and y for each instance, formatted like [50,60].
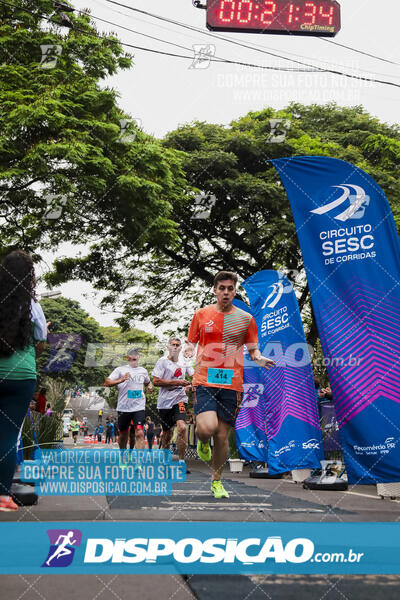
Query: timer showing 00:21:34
[279,16]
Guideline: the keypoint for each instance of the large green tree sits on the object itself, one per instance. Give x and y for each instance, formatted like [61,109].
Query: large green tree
[250,226]
[131,200]
[73,166]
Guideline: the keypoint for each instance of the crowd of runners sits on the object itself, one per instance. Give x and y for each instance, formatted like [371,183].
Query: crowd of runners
[209,362]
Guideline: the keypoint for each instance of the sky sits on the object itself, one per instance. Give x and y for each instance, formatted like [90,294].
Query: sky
[163,92]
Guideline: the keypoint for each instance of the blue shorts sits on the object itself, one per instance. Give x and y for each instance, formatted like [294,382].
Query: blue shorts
[226,403]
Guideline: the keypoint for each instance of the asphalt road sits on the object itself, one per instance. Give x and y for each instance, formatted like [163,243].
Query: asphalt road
[260,500]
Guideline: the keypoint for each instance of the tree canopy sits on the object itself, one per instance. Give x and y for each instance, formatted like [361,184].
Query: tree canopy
[250,226]
[73,166]
[118,342]
[132,336]
[67,149]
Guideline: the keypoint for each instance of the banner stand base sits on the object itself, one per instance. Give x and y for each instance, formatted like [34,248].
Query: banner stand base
[388,490]
[264,474]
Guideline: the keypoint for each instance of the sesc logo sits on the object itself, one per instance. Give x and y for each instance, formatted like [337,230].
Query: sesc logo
[190,550]
[356,206]
[312,444]
[62,547]
[272,300]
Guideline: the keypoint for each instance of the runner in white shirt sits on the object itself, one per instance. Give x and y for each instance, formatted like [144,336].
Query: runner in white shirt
[169,375]
[130,380]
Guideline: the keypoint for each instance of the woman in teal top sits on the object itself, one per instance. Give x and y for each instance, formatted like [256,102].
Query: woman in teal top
[23,334]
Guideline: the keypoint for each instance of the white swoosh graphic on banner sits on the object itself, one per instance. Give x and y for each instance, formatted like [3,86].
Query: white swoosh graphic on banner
[353,208]
[349,212]
[321,210]
[278,290]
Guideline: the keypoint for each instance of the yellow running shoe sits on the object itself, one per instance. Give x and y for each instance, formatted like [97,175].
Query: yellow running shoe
[218,489]
[204,451]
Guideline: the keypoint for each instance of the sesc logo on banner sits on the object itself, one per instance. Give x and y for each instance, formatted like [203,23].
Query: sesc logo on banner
[355,209]
[273,298]
[348,242]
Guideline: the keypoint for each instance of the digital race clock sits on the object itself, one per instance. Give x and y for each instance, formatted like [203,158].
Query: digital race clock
[301,17]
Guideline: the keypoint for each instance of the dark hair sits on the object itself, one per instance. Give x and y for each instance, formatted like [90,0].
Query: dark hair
[222,275]
[17,288]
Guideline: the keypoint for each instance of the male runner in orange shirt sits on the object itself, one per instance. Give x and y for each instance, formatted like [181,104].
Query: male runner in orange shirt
[221,330]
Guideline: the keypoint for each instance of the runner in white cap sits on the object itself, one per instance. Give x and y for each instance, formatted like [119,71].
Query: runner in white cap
[130,380]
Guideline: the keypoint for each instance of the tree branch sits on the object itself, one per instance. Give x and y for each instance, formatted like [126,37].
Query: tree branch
[21,187]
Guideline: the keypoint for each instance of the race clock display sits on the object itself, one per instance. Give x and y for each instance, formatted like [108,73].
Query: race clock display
[300,17]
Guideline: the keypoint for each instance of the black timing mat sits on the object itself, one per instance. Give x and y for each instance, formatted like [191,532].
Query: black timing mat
[195,495]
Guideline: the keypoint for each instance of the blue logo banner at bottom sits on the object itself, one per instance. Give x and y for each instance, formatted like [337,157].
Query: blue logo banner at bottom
[214,548]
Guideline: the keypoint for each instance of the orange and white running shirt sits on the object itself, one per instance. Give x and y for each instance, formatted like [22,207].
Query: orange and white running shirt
[219,360]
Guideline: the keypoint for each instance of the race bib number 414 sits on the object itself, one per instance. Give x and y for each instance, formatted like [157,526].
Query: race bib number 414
[221,376]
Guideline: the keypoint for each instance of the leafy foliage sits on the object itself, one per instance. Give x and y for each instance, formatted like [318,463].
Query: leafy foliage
[132,202]
[67,148]
[250,227]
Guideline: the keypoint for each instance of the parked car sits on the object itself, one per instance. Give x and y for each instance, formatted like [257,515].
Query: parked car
[68,412]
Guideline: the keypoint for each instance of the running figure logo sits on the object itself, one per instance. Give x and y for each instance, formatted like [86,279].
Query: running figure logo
[62,547]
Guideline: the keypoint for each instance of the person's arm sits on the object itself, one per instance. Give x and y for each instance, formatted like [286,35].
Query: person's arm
[40,328]
[193,337]
[158,377]
[148,384]
[189,371]
[158,382]
[251,341]
[259,359]
[40,347]
[115,379]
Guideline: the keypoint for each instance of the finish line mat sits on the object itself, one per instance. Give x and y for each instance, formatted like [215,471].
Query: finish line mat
[194,497]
